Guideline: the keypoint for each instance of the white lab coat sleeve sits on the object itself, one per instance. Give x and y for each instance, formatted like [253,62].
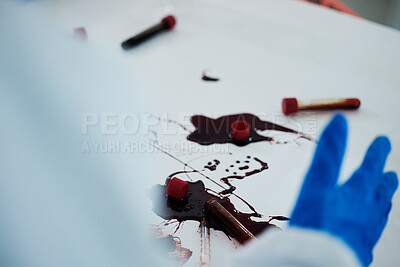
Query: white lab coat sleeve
[297,247]
[62,204]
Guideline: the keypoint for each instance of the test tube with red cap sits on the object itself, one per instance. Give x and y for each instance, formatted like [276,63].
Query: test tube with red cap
[166,24]
[293,105]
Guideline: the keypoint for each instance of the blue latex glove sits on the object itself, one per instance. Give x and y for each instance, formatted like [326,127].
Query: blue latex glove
[356,211]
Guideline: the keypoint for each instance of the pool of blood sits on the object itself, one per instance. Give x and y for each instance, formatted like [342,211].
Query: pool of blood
[192,208]
[217,131]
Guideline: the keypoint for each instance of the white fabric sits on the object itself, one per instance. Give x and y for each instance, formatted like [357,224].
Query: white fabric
[61,206]
[297,247]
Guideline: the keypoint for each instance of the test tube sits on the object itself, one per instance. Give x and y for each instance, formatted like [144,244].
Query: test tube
[292,105]
[224,217]
[204,244]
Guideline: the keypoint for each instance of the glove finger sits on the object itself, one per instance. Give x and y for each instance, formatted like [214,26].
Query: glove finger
[375,158]
[368,176]
[386,188]
[322,175]
[325,167]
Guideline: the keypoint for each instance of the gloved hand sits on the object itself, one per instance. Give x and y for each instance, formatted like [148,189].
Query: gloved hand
[356,211]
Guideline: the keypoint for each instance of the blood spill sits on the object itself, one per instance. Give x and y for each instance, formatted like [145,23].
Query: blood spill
[226,180]
[192,208]
[212,166]
[217,131]
[208,78]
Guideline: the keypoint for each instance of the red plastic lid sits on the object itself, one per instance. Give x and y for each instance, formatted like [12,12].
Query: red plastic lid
[240,130]
[177,188]
[289,106]
[170,21]
[80,33]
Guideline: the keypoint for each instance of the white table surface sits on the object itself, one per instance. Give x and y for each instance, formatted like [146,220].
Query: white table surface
[262,51]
